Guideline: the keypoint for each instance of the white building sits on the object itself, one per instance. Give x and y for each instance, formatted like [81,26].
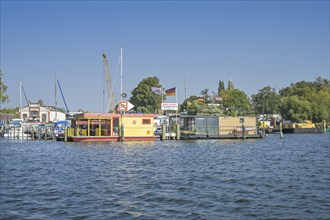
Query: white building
[37,113]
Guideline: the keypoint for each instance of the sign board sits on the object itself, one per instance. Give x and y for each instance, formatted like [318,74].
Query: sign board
[170,106]
[125,106]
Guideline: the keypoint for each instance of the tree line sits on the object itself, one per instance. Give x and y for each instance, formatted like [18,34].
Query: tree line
[299,101]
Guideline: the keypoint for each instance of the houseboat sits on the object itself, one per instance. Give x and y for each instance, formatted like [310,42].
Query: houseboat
[111,127]
[218,127]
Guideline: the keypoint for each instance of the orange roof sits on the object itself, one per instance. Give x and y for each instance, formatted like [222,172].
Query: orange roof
[85,115]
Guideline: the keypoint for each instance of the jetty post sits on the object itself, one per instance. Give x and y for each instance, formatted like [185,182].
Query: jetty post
[121,127]
[65,134]
[53,133]
[281,132]
[178,131]
[163,131]
[243,131]
[46,133]
[324,126]
[32,132]
[39,133]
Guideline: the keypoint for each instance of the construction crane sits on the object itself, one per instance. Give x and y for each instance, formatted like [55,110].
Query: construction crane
[111,101]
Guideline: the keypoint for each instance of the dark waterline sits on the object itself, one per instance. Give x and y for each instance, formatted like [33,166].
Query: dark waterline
[269,178]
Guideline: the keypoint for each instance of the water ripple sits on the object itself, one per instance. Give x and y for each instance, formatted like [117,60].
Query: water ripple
[270,178]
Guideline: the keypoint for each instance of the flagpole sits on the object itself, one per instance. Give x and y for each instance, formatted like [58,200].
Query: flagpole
[176,100]
[162,101]
[185,98]
[176,95]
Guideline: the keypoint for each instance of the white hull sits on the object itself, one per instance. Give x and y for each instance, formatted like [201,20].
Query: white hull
[16,133]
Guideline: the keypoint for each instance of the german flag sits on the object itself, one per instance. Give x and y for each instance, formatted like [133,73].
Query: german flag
[171,92]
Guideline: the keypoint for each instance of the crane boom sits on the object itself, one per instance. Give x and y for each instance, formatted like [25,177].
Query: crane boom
[111,102]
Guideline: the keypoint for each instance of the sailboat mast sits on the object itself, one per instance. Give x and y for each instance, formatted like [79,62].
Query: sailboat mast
[186,94]
[20,98]
[121,73]
[55,99]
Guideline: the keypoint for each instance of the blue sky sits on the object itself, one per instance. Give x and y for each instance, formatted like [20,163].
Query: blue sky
[254,43]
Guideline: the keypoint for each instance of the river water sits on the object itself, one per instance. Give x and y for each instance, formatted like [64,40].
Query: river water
[269,178]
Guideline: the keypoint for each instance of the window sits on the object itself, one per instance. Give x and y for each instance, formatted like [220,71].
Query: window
[43,117]
[146,121]
[34,113]
[241,120]
[115,128]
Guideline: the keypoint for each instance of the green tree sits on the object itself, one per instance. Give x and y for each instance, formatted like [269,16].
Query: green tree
[266,101]
[144,99]
[192,105]
[306,100]
[236,102]
[205,95]
[321,105]
[221,87]
[296,109]
[230,85]
[4,98]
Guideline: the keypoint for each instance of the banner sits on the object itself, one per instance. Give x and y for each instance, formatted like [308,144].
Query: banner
[170,106]
[156,90]
[171,92]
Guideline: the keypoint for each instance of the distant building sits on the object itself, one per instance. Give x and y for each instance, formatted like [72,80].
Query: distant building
[34,112]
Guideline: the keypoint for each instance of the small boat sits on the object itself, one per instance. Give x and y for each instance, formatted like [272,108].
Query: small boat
[59,128]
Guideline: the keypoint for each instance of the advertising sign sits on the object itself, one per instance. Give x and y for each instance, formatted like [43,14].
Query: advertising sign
[170,106]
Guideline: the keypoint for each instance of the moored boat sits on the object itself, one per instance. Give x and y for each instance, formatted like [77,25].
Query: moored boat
[111,127]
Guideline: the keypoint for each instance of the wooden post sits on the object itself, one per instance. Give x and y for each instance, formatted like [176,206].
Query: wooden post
[100,128]
[324,126]
[243,131]
[88,127]
[163,131]
[53,138]
[65,134]
[32,132]
[281,133]
[178,131]
[46,134]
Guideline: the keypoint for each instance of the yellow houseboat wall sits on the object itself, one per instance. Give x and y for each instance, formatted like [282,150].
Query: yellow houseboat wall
[107,126]
[233,125]
[138,125]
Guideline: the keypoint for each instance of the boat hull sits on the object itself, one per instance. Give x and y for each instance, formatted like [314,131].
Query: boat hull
[107,138]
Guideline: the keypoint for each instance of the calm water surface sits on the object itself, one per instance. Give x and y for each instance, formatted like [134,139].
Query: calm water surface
[271,178]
